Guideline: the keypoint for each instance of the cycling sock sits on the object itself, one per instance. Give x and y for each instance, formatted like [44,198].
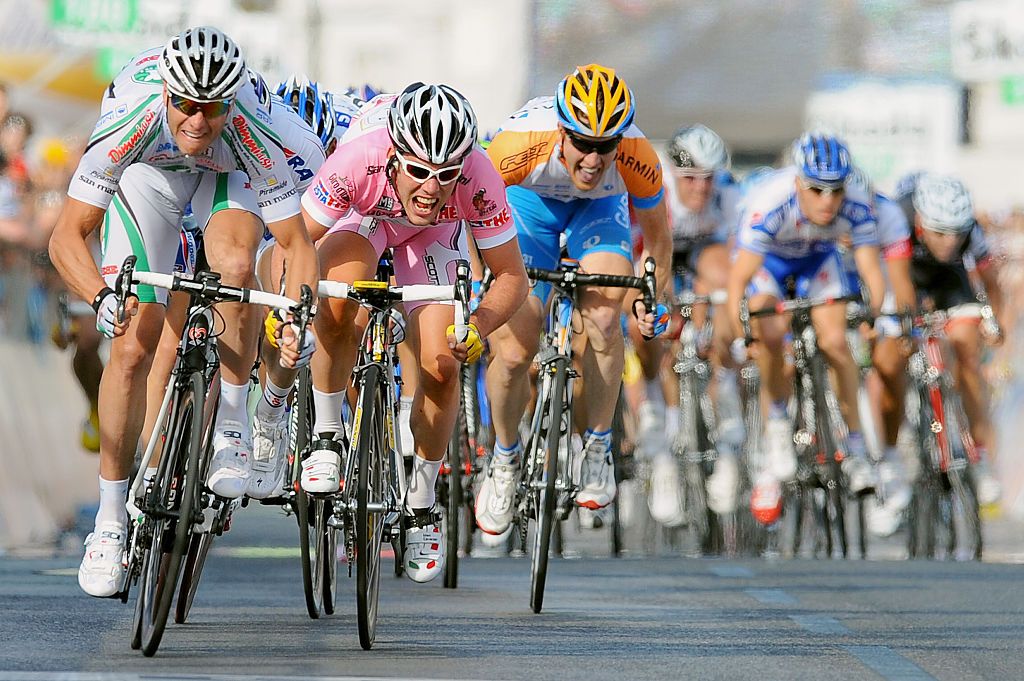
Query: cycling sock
[604,437]
[421,483]
[892,455]
[233,402]
[777,409]
[273,402]
[113,494]
[328,411]
[857,446]
[654,393]
[506,454]
[405,403]
[671,422]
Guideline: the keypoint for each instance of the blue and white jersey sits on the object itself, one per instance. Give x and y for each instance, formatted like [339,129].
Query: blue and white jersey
[346,107]
[772,223]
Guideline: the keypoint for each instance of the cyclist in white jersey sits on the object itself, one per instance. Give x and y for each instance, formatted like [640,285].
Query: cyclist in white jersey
[176,115]
[792,223]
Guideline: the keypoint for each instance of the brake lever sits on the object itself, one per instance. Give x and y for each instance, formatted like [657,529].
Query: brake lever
[123,286]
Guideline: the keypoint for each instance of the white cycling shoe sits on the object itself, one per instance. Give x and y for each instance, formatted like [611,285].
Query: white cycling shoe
[232,460]
[885,514]
[424,547]
[781,454]
[989,489]
[860,474]
[102,571]
[722,484]
[666,499]
[497,494]
[321,470]
[269,441]
[598,476]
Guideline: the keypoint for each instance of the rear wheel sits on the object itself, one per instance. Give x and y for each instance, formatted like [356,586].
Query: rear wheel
[452,497]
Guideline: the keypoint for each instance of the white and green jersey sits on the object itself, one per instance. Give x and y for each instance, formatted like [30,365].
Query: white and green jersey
[270,144]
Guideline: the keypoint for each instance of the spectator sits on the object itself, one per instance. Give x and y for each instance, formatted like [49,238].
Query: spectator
[14,134]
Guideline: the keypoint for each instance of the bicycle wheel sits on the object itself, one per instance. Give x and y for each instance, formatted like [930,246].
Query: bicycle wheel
[175,492]
[305,515]
[961,479]
[452,504]
[829,445]
[325,558]
[618,456]
[543,486]
[923,516]
[367,434]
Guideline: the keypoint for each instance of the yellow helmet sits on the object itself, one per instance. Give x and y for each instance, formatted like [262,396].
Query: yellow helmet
[593,101]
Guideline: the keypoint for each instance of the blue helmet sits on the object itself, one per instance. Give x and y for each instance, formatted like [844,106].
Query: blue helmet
[822,159]
[315,106]
[364,92]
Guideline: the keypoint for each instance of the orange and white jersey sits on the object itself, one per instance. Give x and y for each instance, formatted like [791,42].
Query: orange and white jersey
[527,152]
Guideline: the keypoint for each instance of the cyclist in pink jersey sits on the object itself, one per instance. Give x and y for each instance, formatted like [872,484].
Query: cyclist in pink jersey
[408,176]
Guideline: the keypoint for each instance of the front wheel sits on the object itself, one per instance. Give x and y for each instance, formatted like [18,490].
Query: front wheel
[367,434]
[543,487]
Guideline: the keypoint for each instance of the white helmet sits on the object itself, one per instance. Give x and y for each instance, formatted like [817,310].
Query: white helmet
[698,147]
[202,64]
[943,204]
[432,122]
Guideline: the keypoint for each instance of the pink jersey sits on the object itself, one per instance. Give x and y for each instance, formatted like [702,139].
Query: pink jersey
[354,178]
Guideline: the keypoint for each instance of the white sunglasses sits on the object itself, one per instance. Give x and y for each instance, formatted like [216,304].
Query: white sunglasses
[422,173]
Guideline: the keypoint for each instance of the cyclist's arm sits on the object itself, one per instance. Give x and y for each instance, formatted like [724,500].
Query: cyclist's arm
[69,250]
[744,267]
[653,223]
[988,272]
[508,290]
[902,284]
[315,230]
[869,265]
[300,259]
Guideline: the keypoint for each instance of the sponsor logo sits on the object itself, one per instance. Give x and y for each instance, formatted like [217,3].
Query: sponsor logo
[373,170]
[109,269]
[342,119]
[428,262]
[448,214]
[167,146]
[152,57]
[510,163]
[342,187]
[297,163]
[482,204]
[648,172]
[497,221]
[386,203]
[147,76]
[325,197]
[251,144]
[134,137]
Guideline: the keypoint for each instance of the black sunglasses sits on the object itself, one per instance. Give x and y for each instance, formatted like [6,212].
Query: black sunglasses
[584,146]
[819,188]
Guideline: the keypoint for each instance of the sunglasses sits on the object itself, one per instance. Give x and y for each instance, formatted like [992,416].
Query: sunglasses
[822,189]
[209,109]
[422,173]
[602,147]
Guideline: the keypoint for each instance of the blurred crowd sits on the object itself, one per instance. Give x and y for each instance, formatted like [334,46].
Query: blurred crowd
[34,174]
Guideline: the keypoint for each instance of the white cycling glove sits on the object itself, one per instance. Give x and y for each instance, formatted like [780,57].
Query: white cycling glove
[106,314]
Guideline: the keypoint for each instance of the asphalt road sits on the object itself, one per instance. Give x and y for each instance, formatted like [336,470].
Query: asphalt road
[604,618]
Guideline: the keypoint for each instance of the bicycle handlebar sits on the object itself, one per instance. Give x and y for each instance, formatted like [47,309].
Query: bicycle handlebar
[211,289]
[798,304]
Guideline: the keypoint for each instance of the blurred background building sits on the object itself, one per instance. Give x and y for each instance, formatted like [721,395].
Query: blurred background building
[910,83]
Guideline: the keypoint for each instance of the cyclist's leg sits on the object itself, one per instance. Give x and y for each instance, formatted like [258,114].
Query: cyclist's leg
[890,365]
[598,236]
[142,220]
[88,368]
[349,252]
[830,326]
[229,215]
[964,334]
[513,347]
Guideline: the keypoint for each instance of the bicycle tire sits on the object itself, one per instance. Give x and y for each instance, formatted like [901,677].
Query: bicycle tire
[923,516]
[961,481]
[545,493]
[302,432]
[452,498]
[835,487]
[326,559]
[180,471]
[618,441]
[368,429]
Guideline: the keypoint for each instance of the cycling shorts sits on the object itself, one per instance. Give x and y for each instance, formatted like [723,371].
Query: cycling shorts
[820,275]
[589,225]
[145,218]
[687,253]
[948,286]
[422,255]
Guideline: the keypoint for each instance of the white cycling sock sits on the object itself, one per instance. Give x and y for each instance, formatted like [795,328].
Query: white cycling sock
[273,402]
[421,484]
[113,494]
[328,411]
[655,395]
[233,402]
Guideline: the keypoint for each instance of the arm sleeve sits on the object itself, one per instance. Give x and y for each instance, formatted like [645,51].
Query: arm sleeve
[640,169]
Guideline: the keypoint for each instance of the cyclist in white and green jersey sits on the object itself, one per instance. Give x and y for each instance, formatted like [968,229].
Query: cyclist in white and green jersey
[175,116]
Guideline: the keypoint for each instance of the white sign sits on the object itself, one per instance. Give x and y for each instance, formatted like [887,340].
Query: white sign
[892,127]
[987,40]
